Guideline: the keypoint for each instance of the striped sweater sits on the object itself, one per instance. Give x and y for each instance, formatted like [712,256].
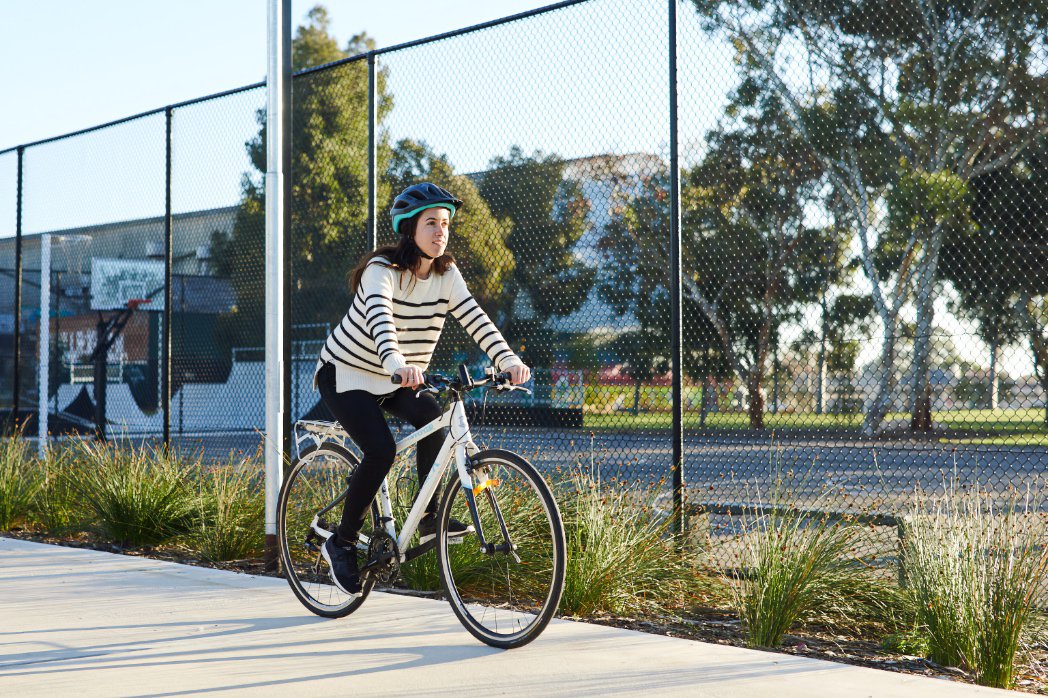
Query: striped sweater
[395,321]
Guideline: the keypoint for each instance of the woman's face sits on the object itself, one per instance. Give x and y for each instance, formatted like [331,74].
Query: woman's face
[432,231]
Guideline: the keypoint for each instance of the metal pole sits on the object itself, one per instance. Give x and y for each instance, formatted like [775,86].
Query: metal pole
[165,365]
[278,87]
[675,285]
[16,404]
[372,154]
[45,342]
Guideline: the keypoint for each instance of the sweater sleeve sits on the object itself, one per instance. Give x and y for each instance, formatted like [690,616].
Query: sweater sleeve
[475,321]
[376,286]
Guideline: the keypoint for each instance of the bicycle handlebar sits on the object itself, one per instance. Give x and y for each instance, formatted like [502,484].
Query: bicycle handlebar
[438,380]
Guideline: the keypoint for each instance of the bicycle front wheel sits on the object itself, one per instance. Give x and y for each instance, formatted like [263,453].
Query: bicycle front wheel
[504,592]
[308,511]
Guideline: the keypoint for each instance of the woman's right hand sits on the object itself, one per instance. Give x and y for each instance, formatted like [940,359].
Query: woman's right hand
[410,376]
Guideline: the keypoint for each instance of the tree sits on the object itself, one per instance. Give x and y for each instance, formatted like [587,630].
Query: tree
[750,260]
[548,217]
[329,185]
[937,92]
[998,267]
[478,239]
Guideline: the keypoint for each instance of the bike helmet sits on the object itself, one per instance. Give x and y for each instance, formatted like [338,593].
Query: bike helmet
[419,197]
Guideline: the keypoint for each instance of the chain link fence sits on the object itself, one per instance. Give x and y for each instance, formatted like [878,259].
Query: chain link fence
[863,235]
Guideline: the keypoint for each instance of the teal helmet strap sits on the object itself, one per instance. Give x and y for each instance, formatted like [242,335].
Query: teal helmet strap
[397,219]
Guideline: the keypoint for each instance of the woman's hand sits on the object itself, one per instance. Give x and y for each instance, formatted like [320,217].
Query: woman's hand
[410,376]
[519,374]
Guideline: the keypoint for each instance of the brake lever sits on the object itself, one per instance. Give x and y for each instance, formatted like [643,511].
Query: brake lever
[510,388]
[431,390]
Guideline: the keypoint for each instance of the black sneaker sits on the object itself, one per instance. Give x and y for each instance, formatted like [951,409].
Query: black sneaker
[342,566]
[427,528]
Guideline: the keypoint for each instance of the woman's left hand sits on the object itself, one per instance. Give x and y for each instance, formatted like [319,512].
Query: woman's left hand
[519,374]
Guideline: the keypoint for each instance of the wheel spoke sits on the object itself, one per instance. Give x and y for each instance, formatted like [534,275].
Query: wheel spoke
[508,597]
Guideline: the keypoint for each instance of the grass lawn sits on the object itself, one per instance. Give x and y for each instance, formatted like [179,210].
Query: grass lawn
[992,427]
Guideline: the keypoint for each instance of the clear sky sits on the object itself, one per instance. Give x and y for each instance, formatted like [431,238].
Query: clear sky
[70,64]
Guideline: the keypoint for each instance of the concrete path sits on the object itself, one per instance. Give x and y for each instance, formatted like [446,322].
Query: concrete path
[81,622]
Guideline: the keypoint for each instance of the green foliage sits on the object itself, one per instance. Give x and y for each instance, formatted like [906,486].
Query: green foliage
[548,217]
[58,508]
[136,496]
[20,482]
[798,566]
[976,572]
[329,189]
[621,557]
[230,510]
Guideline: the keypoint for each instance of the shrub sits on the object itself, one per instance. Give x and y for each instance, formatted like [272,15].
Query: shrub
[975,570]
[20,481]
[800,565]
[137,496]
[57,508]
[230,509]
[621,557]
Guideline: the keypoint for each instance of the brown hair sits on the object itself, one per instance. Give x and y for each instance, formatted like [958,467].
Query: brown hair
[404,256]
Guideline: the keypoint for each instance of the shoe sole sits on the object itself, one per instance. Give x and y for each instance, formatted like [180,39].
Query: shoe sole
[331,574]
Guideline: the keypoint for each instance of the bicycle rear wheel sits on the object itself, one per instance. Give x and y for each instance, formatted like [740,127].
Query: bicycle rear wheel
[505,596]
[309,510]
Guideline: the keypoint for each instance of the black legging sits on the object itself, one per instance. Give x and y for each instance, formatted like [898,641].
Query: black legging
[360,414]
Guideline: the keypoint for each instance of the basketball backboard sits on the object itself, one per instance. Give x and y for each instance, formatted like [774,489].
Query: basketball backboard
[114,282]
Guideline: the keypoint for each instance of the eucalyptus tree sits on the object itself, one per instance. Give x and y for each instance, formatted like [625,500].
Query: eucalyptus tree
[903,103]
[751,261]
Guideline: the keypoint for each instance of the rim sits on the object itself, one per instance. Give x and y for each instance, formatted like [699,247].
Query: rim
[500,598]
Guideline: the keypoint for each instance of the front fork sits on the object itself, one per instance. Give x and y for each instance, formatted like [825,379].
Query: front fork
[465,451]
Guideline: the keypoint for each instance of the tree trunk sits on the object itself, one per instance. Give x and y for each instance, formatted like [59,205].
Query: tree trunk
[882,397]
[994,350]
[756,397]
[920,395]
[820,377]
[704,409]
[636,399]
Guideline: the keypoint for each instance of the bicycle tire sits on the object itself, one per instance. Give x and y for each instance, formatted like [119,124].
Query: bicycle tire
[328,466]
[481,587]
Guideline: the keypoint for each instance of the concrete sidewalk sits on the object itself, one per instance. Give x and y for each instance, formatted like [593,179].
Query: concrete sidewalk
[81,622]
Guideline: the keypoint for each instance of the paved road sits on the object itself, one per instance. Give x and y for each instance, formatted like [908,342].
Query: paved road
[728,468]
[80,622]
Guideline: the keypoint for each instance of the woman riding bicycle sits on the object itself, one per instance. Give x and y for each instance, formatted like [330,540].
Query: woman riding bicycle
[402,294]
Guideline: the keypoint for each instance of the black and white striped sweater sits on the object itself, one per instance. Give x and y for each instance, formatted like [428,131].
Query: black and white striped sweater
[395,321]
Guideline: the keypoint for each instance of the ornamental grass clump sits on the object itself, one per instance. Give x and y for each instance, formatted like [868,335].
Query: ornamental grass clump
[621,556]
[20,481]
[801,566]
[976,572]
[136,496]
[57,508]
[230,510]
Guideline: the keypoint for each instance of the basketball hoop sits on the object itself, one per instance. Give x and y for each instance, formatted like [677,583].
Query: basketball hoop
[133,303]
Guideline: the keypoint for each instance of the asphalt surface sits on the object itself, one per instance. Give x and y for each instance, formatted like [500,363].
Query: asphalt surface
[743,467]
[88,623]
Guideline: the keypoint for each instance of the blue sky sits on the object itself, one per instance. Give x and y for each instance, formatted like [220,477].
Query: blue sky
[71,64]
[584,80]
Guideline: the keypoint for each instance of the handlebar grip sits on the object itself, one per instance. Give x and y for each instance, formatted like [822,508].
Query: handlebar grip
[395,378]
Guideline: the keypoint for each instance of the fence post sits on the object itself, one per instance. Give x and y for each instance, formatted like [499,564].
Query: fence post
[278,262]
[165,365]
[16,389]
[372,153]
[675,285]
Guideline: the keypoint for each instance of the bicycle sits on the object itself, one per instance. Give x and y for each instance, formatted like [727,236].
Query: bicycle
[503,579]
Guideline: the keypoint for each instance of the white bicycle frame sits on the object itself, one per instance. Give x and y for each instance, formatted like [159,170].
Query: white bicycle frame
[458,447]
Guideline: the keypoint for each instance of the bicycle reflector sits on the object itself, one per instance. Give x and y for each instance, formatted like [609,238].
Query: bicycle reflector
[488,482]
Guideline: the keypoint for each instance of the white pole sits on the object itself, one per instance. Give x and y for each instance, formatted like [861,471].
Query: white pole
[275,360]
[45,341]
